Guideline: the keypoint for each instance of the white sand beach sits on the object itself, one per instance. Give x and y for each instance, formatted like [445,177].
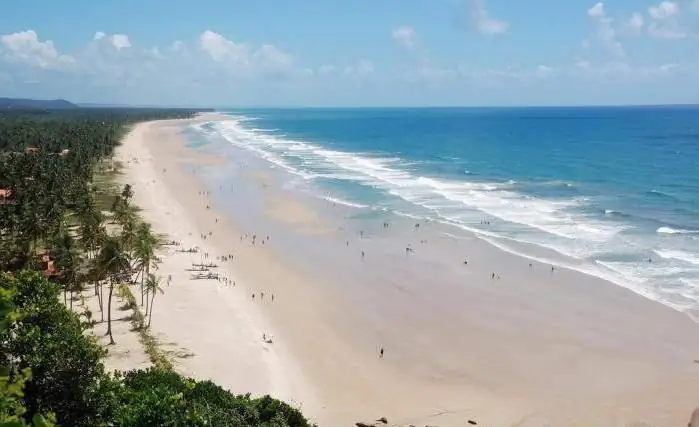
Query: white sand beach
[532,348]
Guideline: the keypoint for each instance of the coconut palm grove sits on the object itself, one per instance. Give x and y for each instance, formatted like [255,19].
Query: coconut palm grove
[67,228]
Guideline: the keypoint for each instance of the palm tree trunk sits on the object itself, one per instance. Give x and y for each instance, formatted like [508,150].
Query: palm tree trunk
[100,299]
[150,313]
[71,297]
[109,313]
[142,276]
[147,294]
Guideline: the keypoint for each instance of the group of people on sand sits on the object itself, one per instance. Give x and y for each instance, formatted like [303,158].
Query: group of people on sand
[262,296]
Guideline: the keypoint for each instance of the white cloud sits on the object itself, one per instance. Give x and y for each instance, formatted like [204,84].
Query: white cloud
[213,68]
[605,32]
[117,41]
[120,41]
[242,59]
[482,20]
[636,23]
[596,11]
[25,47]
[664,10]
[666,21]
[223,50]
[405,36]
[363,68]
[269,57]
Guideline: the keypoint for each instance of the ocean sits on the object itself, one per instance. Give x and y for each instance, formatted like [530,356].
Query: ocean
[609,191]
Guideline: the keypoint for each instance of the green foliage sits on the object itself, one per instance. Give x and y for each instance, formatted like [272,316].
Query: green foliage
[66,364]
[12,409]
[164,398]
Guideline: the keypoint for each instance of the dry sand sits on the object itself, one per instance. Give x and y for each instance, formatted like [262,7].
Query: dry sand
[549,364]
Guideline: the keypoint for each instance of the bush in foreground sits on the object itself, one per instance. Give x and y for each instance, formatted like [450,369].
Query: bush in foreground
[165,398]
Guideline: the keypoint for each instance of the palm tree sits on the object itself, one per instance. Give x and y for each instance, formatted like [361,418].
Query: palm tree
[153,287]
[67,261]
[127,195]
[92,233]
[122,212]
[145,245]
[113,261]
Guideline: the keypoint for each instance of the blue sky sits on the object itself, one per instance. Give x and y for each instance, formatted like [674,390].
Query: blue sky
[352,52]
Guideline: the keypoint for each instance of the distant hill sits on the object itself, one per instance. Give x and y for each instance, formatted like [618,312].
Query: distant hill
[35,104]
[97,105]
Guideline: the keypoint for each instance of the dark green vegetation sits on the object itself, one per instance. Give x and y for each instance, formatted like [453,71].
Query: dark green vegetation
[65,231]
[23,104]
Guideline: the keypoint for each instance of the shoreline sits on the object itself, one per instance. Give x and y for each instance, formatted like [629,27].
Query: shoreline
[318,343]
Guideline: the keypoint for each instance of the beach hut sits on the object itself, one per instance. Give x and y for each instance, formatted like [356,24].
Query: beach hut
[50,270]
[5,196]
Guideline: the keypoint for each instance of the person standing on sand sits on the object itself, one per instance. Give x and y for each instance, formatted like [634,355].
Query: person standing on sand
[381,353]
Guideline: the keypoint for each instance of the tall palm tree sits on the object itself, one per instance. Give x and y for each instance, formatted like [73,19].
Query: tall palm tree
[67,261]
[153,287]
[92,233]
[145,245]
[113,261]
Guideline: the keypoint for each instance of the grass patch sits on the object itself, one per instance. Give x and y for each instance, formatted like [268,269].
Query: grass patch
[159,358]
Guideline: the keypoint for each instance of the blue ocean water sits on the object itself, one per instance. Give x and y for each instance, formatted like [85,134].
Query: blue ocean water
[614,191]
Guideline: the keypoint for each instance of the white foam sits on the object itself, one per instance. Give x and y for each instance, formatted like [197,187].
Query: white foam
[678,255]
[345,202]
[670,230]
[555,217]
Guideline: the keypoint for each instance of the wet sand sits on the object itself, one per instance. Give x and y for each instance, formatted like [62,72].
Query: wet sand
[531,348]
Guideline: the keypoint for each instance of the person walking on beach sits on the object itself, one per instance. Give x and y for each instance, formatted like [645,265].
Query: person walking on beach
[381,353]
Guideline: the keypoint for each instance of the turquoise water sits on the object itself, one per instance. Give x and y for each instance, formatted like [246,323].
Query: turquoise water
[613,191]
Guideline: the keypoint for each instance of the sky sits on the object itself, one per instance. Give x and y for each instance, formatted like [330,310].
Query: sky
[351,52]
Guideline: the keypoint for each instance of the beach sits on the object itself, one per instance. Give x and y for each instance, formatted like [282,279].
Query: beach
[468,331]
